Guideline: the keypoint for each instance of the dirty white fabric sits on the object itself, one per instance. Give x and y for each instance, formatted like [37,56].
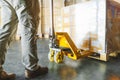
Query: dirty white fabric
[12,12]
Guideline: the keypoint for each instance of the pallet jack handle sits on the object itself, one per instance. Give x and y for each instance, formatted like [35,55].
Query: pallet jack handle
[51,30]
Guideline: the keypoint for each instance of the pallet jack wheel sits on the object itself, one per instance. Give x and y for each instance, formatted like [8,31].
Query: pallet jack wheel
[58,57]
[51,55]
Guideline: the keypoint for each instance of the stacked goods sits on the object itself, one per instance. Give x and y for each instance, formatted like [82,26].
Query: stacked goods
[85,22]
[58,4]
[46,15]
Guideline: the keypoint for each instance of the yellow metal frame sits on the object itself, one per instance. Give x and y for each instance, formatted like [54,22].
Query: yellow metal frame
[65,41]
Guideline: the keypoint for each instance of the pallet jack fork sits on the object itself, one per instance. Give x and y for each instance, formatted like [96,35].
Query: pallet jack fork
[61,44]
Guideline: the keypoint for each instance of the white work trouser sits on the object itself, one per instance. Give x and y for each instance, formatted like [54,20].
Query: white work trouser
[12,12]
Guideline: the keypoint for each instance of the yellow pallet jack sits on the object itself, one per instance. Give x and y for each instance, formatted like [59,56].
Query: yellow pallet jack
[61,45]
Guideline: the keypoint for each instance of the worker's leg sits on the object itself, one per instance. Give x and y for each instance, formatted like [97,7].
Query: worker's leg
[28,40]
[8,22]
[28,35]
[7,26]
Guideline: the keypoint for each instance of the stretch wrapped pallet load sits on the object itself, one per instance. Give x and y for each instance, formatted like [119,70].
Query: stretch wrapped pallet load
[87,25]
[83,23]
[94,25]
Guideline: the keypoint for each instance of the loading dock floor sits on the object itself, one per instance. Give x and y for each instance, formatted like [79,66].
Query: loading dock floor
[83,69]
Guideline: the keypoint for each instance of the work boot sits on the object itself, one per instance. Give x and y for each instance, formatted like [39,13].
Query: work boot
[32,74]
[5,76]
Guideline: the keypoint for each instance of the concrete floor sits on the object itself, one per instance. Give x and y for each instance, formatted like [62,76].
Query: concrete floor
[83,69]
